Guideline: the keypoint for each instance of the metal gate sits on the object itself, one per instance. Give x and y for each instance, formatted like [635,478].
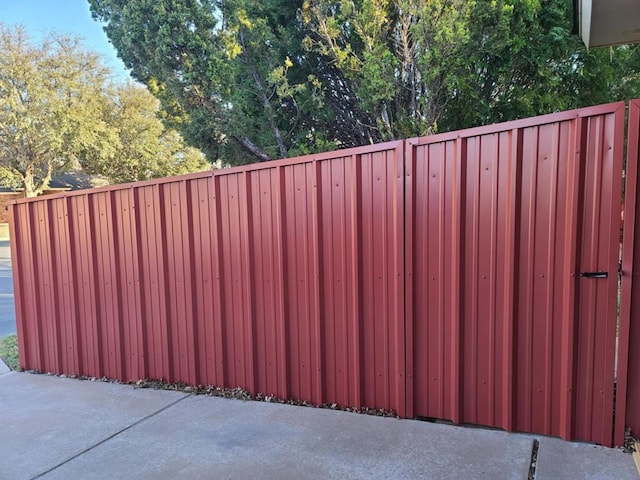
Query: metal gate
[512,257]
[470,276]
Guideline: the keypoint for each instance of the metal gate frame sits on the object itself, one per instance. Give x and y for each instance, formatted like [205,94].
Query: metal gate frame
[628,384]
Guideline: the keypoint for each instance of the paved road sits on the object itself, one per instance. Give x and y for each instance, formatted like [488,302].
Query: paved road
[7,307]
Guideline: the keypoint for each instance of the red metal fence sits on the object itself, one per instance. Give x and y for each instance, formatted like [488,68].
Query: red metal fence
[252,277]
[436,277]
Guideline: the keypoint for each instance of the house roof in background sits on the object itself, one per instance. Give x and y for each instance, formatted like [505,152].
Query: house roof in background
[608,22]
[76,180]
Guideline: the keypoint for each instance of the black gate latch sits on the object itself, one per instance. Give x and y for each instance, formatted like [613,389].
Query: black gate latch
[594,274]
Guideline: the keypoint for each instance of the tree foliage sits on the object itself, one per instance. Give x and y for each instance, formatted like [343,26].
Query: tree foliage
[58,109]
[248,80]
[521,60]
[49,98]
[144,147]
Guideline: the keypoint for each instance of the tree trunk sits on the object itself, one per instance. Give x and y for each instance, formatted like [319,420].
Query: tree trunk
[29,181]
[265,100]
[252,148]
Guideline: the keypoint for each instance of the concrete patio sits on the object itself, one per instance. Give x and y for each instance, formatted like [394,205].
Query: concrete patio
[61,428]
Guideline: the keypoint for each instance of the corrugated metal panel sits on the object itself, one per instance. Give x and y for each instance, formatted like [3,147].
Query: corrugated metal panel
[628,391]
[599,251]
[501,219]
[283,278]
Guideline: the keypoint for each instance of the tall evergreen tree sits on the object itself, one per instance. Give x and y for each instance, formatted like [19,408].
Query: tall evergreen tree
[248,80]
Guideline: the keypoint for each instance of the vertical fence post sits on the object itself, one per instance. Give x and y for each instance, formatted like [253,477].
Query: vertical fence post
[628,374]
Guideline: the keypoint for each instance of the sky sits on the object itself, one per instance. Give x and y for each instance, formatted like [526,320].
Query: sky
[65,16]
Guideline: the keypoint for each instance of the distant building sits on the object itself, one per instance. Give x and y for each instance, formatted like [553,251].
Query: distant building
[63,182]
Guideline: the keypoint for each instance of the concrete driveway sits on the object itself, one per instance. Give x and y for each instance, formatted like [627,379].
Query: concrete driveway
[7,306]
[61,428]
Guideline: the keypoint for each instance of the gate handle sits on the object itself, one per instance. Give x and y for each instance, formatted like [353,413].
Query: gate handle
[594,274]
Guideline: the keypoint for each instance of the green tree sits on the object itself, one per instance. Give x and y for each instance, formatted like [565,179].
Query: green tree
[521,60]
[248,80]
[49,98]
[222,71]
[172,47]
[145,148]
[399,56]
[60,110]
